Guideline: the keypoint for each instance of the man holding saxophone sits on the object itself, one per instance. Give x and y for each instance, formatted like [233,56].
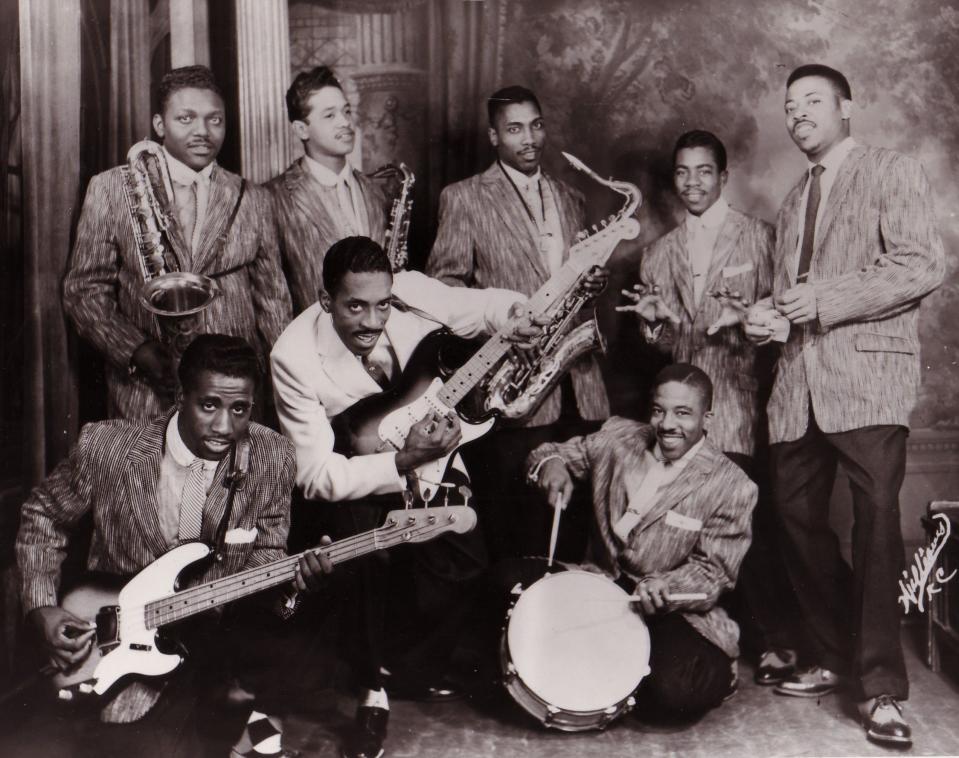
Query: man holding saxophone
[217,226]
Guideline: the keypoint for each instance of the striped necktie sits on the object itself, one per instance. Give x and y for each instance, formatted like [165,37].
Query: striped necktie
[192,501]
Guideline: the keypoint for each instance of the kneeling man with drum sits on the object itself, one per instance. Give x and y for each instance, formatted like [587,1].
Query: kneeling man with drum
[670,526]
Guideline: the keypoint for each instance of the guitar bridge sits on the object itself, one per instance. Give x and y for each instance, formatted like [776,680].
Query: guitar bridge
[108,627]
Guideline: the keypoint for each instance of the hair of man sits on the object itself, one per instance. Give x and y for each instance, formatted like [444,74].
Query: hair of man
[218,354]
[704,139]
[303,87]
[507,96]
[688,374]
[839,82]
[186,77]
[358,255]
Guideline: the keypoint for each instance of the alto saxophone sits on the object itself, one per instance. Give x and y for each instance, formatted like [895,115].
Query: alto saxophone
[176,298]
[522,381]
[399,228]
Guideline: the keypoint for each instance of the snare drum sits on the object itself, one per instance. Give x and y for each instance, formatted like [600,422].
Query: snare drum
[573,651]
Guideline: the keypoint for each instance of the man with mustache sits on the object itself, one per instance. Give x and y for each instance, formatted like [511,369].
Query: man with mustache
[512,226]
[857,250]
[221,227]
[351,344]
[150,487]
[671,515]
[719,249]
[321,198]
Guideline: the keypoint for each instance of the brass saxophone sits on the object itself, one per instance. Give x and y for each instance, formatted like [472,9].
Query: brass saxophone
[176,298]
[522,381]
[399,228]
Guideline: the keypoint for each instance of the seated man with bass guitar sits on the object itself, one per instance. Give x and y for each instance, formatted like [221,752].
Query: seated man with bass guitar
[201,472]
[346,349]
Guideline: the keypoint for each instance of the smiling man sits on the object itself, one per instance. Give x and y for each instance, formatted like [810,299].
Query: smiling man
[321,198]
[221,227]
[857,250]
[671,517]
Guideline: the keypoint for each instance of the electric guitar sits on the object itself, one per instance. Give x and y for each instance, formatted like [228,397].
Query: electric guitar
[127,622]
[382,422]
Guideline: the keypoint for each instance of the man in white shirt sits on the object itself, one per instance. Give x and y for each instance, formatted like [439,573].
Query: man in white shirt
[321,198]
[717,248]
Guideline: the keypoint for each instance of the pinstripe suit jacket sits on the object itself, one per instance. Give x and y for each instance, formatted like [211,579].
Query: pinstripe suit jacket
[877,254]
[742,260]
[485,239]
[306,230]
[694,537]
[102,287]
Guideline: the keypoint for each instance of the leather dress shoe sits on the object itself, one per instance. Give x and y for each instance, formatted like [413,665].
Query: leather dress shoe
[882,719]
[810,682]
[369,731]
[775,666]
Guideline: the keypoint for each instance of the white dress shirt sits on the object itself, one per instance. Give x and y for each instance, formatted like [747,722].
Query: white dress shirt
[174,470]
[701,234]
[344,201]
[831,163]
[184,178]
[542,215]
[643,494]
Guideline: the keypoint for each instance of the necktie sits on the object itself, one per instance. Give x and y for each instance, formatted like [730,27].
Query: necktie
[809,226]
[379,373]
[191,502]
[345,198]
[187,210]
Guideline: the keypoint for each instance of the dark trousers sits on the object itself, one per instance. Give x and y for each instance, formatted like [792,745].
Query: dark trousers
[688,674]
[851,617]
[763,601]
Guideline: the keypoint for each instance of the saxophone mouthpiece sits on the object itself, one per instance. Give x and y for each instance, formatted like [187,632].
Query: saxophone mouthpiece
[576,162]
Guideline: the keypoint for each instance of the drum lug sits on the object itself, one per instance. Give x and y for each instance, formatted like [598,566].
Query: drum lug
[608,715]
[551,712]
[510,674]
[630,704]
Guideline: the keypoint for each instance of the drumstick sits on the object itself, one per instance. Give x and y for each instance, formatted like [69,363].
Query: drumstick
[558,506]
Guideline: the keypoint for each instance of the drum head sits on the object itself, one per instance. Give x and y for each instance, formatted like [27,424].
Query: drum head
[576,642]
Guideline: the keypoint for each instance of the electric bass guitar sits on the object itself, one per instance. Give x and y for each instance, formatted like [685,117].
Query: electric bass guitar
[381,423]
[128,622]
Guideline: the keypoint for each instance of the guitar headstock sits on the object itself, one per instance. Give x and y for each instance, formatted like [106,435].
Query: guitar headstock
[424,524]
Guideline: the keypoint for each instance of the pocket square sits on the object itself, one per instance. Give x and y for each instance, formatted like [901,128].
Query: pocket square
[729,271]
[240,536]
[683,522]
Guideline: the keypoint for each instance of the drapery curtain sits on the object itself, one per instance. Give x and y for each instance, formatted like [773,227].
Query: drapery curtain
[129,76]
[50,92]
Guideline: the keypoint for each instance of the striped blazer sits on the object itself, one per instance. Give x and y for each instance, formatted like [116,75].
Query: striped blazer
[102,286]
[694,537]
[306,230]
[485,239]
[742,260]
[877,254]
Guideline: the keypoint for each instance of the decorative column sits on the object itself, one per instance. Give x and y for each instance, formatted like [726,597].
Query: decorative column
[263,53]
[189,35]
[50,92]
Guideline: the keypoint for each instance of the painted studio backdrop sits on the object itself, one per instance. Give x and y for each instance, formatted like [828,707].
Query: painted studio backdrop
[618,82]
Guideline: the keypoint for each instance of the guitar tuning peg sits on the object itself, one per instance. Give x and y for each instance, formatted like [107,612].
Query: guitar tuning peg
[612,218]
[603,223]
[594,228]
[581,235]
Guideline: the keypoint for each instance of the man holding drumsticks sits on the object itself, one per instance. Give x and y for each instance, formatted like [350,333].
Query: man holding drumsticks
[671,526]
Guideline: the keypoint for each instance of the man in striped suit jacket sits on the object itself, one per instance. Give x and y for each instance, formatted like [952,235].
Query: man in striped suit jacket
[511,227]
[671,515]
[857,250]
[717,248]
[136,480]
[222,228]
[321,198]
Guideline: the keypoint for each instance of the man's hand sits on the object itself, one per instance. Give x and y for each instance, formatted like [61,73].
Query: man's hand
[648,304]
[652,594]
[734,309]
[310,569]
[757,326]
[595,281]
[555,483]
[428,440]
[65,637]
[155,363]
[526,329]
[798,304]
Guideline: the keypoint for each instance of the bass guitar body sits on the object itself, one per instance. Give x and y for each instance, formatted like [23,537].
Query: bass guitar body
[381,423]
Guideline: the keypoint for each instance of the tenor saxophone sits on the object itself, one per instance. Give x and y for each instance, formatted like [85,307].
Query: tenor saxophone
[524,379]
[399,227]
[177,299]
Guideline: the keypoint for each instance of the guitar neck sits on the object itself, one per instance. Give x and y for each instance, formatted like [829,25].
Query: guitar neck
[202,597]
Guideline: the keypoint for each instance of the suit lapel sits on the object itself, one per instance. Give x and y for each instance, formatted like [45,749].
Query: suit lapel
[215,505]
[722,251]
[567,213]
[790,237]
[142,479]
[839,189]
[501,195]
[343,369]
[683,272]
[223,196]
[690,479]
[374,213]
[305,190]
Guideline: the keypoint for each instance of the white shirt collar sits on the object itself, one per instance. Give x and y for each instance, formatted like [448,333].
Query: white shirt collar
[183,174]
[834,158]
[712,217]
[326,176]
[177,447]
[687,457]
[520,179]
